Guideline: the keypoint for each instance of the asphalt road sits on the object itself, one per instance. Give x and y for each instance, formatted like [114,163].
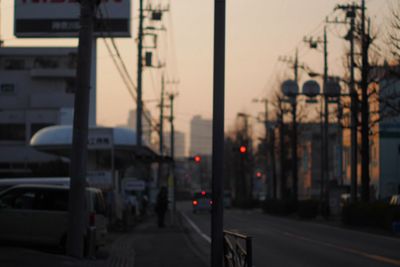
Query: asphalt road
[288,242]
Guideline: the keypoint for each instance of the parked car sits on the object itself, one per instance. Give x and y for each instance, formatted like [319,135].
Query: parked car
[39,214]
[201,201]
[395,200]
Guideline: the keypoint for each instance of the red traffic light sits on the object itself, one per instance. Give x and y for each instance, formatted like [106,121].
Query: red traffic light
[258,174]
[243,149]
[197,159]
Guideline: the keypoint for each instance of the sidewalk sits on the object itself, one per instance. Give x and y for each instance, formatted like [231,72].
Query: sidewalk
[144,246]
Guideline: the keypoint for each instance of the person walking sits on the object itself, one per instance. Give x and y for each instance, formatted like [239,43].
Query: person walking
[161,206]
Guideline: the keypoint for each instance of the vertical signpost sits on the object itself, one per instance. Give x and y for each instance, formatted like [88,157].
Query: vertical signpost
[218,135]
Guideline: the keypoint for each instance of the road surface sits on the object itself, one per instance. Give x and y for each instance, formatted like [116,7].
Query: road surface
[288,242]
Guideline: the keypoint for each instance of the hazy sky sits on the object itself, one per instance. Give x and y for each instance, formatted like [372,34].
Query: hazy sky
[258,32]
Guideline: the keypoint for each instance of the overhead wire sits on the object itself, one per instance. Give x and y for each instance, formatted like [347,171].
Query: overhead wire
[122,69]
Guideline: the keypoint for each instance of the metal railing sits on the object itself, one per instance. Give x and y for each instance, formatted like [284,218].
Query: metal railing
[237,250]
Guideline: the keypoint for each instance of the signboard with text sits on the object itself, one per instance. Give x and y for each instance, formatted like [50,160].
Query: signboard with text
[60,18]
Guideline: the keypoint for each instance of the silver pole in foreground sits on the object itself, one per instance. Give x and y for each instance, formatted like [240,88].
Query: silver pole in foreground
[218,135]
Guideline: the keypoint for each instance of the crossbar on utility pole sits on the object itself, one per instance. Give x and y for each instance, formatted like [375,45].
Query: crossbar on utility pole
[77,215]
[217,222]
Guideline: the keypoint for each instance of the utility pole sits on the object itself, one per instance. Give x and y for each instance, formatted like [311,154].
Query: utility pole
[294,132]
[139,104]
[325,176]
[77,214]
[217,213]
[324,114]
[293,102]
[268,162]
[273,162]
[161,131]
[351,14]
[172,142]
[354,108]
[282,153]
[365,179]
[161,128]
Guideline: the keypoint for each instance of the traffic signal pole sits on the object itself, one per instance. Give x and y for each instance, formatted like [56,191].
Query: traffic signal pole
[77,215]
[217,223]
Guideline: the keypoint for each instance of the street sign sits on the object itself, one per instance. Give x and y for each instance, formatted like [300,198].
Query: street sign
[60,18]
[132,184]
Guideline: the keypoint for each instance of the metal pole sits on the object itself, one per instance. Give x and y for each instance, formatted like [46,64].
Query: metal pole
[354,112]
[139,104]
[77,218]
[217,222]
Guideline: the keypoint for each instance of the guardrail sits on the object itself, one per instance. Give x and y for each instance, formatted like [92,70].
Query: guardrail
[238,250]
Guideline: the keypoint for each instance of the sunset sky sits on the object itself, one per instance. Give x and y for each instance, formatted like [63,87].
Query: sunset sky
[258,32]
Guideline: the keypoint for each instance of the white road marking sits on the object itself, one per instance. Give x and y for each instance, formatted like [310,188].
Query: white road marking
[196,228]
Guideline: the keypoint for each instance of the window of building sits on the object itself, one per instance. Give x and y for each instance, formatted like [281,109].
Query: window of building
[45,63]
[14,64]
[35,127]
[12,132]
[7,89]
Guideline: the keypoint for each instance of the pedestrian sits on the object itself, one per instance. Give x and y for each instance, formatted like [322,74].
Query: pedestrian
[161,206]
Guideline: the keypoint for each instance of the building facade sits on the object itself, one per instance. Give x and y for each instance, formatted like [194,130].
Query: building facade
[36,91]
[200,136]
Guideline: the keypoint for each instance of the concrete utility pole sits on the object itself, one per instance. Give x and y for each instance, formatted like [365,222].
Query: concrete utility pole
[294,132]
[325,175]
[282,154]
[78,216]
[354,108]
[161,129]
[351,14]
[139,102]
[365,179]
[217,219]
[172,140]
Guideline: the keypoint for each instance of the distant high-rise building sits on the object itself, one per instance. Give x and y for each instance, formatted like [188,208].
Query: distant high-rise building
[200,136]
[179,144]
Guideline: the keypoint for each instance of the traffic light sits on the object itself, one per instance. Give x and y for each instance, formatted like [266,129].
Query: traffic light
[258,174]
[197,159]
[242,149]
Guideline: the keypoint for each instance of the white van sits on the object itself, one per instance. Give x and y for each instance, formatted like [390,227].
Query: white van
[9,182]
[35,213]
